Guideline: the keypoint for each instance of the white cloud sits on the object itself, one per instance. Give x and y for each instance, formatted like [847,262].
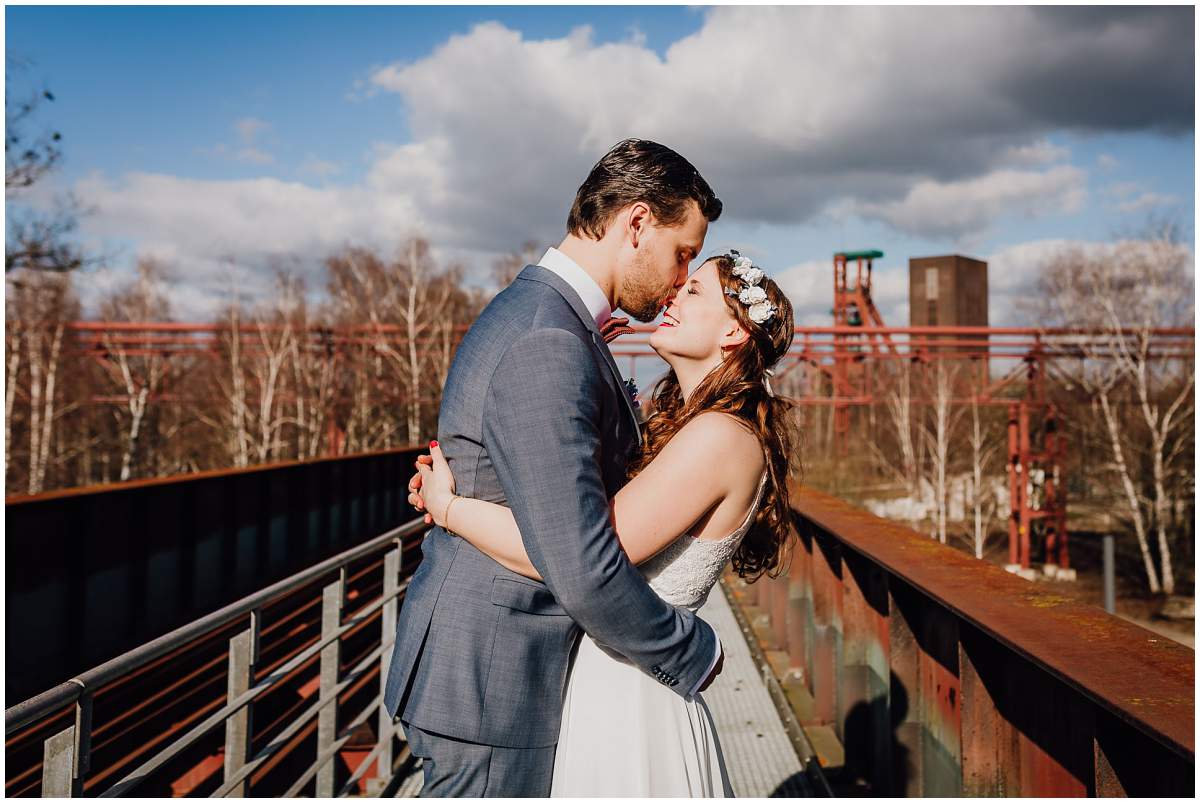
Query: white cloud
[950,209]
[1034,154]
[1107,161]
[787,120]
[204,227]
[1131,196]
[319,167]
[1147,200]
[809,286]
[248,128]
[935,121]
[1012,276]
[254,156]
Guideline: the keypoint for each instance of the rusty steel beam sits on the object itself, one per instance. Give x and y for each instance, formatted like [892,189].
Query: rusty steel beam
[945,675]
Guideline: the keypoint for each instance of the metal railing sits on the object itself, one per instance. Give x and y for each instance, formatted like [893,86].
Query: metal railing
[943,675]
[163,552]
[67,752]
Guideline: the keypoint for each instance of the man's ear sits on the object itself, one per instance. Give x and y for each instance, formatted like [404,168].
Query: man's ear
[638,219]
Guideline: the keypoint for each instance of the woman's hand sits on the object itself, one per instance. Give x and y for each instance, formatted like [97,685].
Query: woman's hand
[437,484]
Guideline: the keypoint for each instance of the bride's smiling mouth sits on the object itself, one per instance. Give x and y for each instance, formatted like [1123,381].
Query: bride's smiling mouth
[669,320]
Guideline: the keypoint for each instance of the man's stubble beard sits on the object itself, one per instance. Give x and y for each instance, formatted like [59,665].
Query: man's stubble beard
[641,296]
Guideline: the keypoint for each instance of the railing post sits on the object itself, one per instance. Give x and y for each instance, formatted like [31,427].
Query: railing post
[66,755]
[243,654]
[58,756]
[827,629]
[865,680]
[1110,576]
[384,728]
[331,619]
[799,613]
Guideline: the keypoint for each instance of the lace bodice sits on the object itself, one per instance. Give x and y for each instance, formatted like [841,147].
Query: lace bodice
[684,572]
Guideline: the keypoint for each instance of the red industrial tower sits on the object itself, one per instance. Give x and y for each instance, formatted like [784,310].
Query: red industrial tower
[852,306]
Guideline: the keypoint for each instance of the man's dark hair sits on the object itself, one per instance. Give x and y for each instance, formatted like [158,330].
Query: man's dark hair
[639,170]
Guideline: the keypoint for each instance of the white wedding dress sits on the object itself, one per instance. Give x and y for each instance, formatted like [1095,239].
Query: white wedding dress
[623,733]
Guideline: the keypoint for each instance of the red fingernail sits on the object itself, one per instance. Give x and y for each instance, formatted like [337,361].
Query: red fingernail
[432,444]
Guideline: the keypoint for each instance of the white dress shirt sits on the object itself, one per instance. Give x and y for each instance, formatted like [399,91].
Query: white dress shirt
[600,309]
[584,285]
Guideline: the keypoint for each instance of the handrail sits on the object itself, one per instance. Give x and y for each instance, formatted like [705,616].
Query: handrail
[944,675]
[207,474]
[67,752]
[69,691]
[1139,676]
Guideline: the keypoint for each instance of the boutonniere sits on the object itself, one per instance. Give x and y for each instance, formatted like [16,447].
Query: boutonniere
[632,389]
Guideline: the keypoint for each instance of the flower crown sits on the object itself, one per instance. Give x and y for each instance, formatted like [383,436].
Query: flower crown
[753,296]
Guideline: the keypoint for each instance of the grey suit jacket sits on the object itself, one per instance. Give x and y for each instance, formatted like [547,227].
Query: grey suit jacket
[533,416]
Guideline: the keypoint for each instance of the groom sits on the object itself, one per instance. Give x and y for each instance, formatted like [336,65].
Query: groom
[535,416]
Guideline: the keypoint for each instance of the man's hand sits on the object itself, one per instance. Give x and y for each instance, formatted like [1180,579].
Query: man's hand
[614,328]
[713,675]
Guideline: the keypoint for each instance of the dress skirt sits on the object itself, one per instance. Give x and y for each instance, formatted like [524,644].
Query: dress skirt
[624,734]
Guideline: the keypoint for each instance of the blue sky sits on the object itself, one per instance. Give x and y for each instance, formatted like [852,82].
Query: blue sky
[198,133]
[154,89]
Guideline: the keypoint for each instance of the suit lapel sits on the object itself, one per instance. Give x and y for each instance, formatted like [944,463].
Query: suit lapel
[539,274]
[621,391]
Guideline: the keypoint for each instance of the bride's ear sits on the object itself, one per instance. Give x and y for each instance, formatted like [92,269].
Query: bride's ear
[734,336]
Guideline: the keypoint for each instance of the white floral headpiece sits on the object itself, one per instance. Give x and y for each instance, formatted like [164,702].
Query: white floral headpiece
[751,294]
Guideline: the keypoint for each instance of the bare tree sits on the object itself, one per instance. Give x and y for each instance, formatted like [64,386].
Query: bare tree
[36,239]
[27,157]
[138,371]
[37,310]
[409,306]
[1127,290]
[938,433]
[984,446]
[506,268]
[312,359]
[899,402]
[364,296]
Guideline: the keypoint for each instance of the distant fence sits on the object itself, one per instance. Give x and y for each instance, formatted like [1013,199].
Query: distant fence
[946,676]
[93,572]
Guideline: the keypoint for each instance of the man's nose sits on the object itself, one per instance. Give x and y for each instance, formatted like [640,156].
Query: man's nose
[681,277]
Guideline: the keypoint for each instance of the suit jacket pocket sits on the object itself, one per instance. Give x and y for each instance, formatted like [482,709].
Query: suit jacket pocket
[526,597]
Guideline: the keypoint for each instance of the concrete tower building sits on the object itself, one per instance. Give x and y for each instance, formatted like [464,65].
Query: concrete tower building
[947,291]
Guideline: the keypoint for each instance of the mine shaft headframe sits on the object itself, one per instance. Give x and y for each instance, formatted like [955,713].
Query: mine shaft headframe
[852,304]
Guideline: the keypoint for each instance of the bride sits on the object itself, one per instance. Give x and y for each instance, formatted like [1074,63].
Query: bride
[710,486]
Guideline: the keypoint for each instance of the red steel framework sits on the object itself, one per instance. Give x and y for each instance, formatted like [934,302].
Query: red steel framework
[840,361]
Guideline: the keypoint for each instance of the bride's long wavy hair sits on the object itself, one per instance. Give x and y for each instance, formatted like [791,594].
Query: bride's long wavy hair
[736,387]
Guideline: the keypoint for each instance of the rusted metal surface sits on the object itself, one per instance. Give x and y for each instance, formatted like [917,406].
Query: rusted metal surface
[1139,676]
[163,552]
[947,676]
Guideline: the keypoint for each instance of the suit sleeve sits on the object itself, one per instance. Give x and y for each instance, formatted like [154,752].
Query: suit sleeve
[542,430]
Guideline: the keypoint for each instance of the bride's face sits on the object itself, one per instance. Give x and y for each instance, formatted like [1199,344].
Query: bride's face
[697,322]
